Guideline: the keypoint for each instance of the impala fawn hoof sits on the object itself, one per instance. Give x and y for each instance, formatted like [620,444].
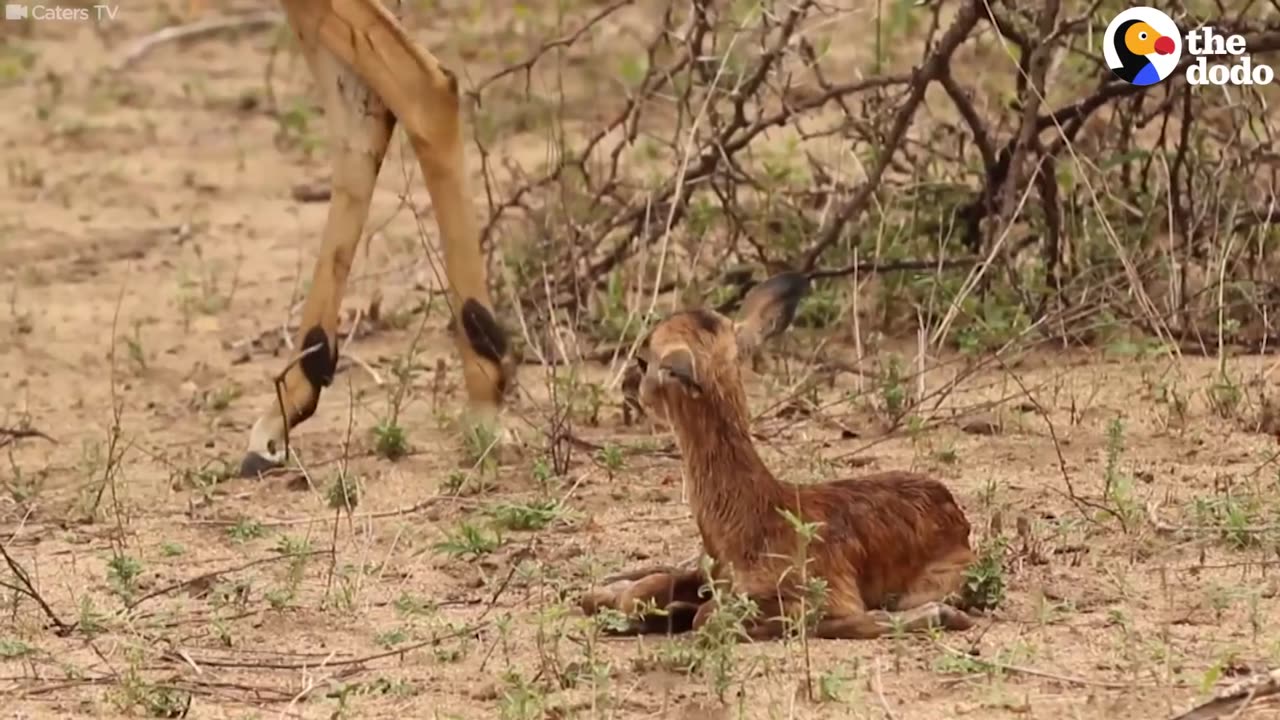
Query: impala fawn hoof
[952,618]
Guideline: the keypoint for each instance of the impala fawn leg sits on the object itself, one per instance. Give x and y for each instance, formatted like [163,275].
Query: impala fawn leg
[863,625]
[939,581]
[921,608]
[675,593]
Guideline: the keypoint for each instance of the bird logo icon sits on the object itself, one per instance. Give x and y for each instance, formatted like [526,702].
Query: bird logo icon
[1142,46]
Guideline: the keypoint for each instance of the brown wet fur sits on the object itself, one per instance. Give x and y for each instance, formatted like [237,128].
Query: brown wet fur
[888,542]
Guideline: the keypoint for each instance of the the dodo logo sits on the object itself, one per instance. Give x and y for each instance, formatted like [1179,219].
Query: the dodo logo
[1142,46]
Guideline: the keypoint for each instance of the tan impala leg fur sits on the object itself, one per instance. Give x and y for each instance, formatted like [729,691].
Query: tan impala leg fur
[372,74]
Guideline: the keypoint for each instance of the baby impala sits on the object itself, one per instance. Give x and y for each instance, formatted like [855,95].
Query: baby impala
[891,547]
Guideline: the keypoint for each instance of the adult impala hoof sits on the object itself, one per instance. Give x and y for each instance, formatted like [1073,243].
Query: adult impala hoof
[255,464]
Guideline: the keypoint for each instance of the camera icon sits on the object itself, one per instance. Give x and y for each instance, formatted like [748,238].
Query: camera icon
[15,12]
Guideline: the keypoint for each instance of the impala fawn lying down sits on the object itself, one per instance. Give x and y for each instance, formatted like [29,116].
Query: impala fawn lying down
[892,541]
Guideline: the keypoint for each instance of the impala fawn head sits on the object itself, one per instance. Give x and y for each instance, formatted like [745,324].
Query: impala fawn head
[692,357]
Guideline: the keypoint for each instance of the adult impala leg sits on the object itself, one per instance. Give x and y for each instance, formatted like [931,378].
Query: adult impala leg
[423,95]
[367,66]
[360,128]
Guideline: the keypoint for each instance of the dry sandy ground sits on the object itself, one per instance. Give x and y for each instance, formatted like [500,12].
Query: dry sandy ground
[154,206]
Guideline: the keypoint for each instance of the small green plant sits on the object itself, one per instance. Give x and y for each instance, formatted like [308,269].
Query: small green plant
[412,605]
[389,440]
[582,400]
[819,309]
[618,322]
[833,686]
[155,700]
[1221,598]
[461,482]
[520,699]
[1225,396]
[611,459]
[994,321]
[91,621]
[894,395]
[719,637]
[297,129]
[393,637]
[278,598]
[344,493]
[984,586]
[1234,515]
[467,540]
[715,644]
[137,353]
[1118,487]
[22,488]
[543,474]
[172,549]
[532,516]
[1167,396]
[221,398]
[245,529]
[297,550]
[480,443]
[813,599]
[122,575]
[11,649]
[947,455]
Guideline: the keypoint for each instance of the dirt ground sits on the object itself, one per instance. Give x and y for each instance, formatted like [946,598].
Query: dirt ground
[151,252]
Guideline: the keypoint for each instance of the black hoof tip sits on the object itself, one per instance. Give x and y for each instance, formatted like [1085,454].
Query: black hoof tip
[254,465]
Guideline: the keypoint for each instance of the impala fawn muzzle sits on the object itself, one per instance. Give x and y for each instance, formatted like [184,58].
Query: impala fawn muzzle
[892,542]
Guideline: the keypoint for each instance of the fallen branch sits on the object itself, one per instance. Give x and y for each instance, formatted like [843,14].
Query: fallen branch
[870,267]
[315,519]
[192,31]
[1045,674]
[218,573]
[174,655]
[878,687]
[27,588]
[1232,702]
[9,436]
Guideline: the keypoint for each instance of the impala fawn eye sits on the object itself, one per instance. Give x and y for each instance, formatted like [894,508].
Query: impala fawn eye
[643,364]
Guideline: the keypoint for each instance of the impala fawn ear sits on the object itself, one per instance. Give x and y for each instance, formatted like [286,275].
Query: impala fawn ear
[678,365]
[769,309]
